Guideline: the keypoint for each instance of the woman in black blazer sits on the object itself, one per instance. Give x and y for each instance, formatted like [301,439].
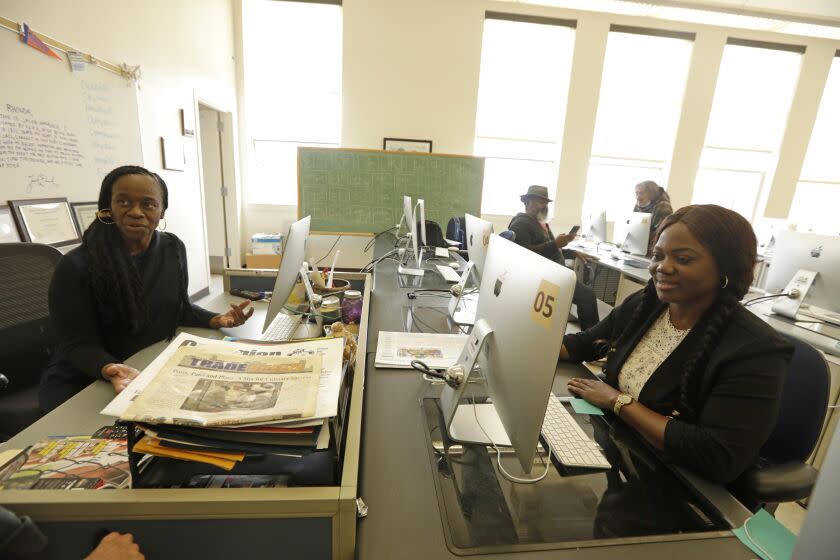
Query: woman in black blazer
[696,374]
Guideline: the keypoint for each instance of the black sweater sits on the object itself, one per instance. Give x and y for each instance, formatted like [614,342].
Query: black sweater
[738,395]
[531,235]
[90,337]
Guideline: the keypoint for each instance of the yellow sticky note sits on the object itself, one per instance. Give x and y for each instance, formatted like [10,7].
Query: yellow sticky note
[544,307]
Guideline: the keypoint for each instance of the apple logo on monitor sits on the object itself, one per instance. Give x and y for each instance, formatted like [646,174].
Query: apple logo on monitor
[471,239]
[816,252]
[497,287]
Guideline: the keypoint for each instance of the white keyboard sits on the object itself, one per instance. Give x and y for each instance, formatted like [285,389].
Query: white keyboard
[568,442]
[441,252]
[282,327]
[448,273]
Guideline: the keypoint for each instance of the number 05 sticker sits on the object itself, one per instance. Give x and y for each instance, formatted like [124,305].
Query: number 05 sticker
[545,304]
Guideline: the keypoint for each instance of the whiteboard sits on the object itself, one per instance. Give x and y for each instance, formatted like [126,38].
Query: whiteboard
[61,132]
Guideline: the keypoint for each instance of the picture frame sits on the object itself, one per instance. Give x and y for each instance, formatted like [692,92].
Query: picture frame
[406,145]
[8,228]
[45,220]
[187,123]
[84,213]
[172,151]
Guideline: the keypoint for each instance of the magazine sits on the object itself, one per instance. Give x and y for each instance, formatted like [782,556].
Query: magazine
[199,386]
[68,464]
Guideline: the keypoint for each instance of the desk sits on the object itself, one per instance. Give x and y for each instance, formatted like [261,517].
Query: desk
[630,278]
[303,522]
[397,482]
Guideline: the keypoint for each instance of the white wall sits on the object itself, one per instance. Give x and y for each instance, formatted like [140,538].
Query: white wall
[180,46]
[410,69]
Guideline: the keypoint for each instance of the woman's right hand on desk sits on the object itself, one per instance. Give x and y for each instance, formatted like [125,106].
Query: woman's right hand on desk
[120,375]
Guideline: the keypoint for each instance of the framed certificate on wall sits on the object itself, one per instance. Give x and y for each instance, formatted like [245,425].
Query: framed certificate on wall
[45,220]
[84,213]
[8,229]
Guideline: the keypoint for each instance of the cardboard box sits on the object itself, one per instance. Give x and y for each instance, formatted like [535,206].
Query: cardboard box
[262,261]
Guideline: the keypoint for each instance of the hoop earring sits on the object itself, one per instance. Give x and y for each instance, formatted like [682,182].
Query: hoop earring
[164,225]
[725,282]
[104,213]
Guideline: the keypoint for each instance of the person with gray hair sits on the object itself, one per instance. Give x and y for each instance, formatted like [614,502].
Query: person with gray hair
[652,199]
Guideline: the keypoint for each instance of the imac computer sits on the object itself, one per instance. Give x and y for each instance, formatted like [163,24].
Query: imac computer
[462,305]
[292,266]
[411,216]
[631,233]
[478,238]
[800,255]
[522,312]
[595,227]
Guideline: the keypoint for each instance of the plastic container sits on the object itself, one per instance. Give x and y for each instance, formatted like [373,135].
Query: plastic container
[351,307]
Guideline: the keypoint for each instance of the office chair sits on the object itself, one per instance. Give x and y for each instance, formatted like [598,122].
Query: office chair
[26,335]
[508,234]
[434,235]
[456,231]
[782,474]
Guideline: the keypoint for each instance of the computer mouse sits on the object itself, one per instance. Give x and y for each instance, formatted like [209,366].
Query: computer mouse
[453,265]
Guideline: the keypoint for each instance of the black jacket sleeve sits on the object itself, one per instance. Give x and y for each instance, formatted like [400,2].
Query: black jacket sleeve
[192,315]
[587,345]
[737,416]
[73,314]
[531,237]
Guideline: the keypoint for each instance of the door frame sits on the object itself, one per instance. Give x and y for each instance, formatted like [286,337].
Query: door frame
[230,178]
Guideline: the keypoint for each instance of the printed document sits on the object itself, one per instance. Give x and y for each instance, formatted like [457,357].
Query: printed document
[438,351]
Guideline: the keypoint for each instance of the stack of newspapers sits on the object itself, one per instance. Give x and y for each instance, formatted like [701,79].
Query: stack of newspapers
[222,402]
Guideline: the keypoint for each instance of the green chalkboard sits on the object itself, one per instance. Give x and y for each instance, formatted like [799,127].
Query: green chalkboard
[361,191]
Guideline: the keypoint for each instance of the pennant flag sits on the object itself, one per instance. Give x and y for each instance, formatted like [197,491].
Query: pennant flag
[33,41]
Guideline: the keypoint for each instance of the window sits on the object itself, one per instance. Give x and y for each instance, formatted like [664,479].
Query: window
[522,92]
[752,100]
[817,195]
[638,113]
[292,90]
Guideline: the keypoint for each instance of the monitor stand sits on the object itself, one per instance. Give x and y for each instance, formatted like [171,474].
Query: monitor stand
[471,423]
[461,316]
[408,271]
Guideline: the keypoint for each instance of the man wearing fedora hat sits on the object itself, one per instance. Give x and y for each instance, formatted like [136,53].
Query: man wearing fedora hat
[532,232]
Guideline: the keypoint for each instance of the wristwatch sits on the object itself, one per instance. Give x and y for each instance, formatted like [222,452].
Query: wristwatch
[621,400]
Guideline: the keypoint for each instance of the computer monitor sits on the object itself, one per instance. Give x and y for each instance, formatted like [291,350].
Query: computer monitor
[406,217]
[819,253]
[414,246]
[290,267]
[631,233]
[478,237]
[521,319]
[595,226]
[818,536]
[421,207]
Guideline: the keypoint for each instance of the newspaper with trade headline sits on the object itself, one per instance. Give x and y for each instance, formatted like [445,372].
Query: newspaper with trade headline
[203,387]
[330,350]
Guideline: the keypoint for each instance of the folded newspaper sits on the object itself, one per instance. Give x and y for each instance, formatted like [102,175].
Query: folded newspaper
[202,386]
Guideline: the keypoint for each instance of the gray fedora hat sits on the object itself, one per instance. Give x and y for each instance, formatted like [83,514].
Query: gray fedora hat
[535,191]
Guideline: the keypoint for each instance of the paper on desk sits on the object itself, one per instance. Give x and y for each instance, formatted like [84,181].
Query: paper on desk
[583,407]
[768,538]
[398,349]
[331,350]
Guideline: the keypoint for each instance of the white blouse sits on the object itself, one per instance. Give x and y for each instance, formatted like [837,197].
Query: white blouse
[655,346]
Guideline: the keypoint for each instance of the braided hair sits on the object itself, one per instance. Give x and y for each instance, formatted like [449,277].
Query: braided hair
[730,239]
[114,278]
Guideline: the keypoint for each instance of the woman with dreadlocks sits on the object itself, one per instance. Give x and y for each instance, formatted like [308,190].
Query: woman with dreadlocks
[122,289]
[696,374]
